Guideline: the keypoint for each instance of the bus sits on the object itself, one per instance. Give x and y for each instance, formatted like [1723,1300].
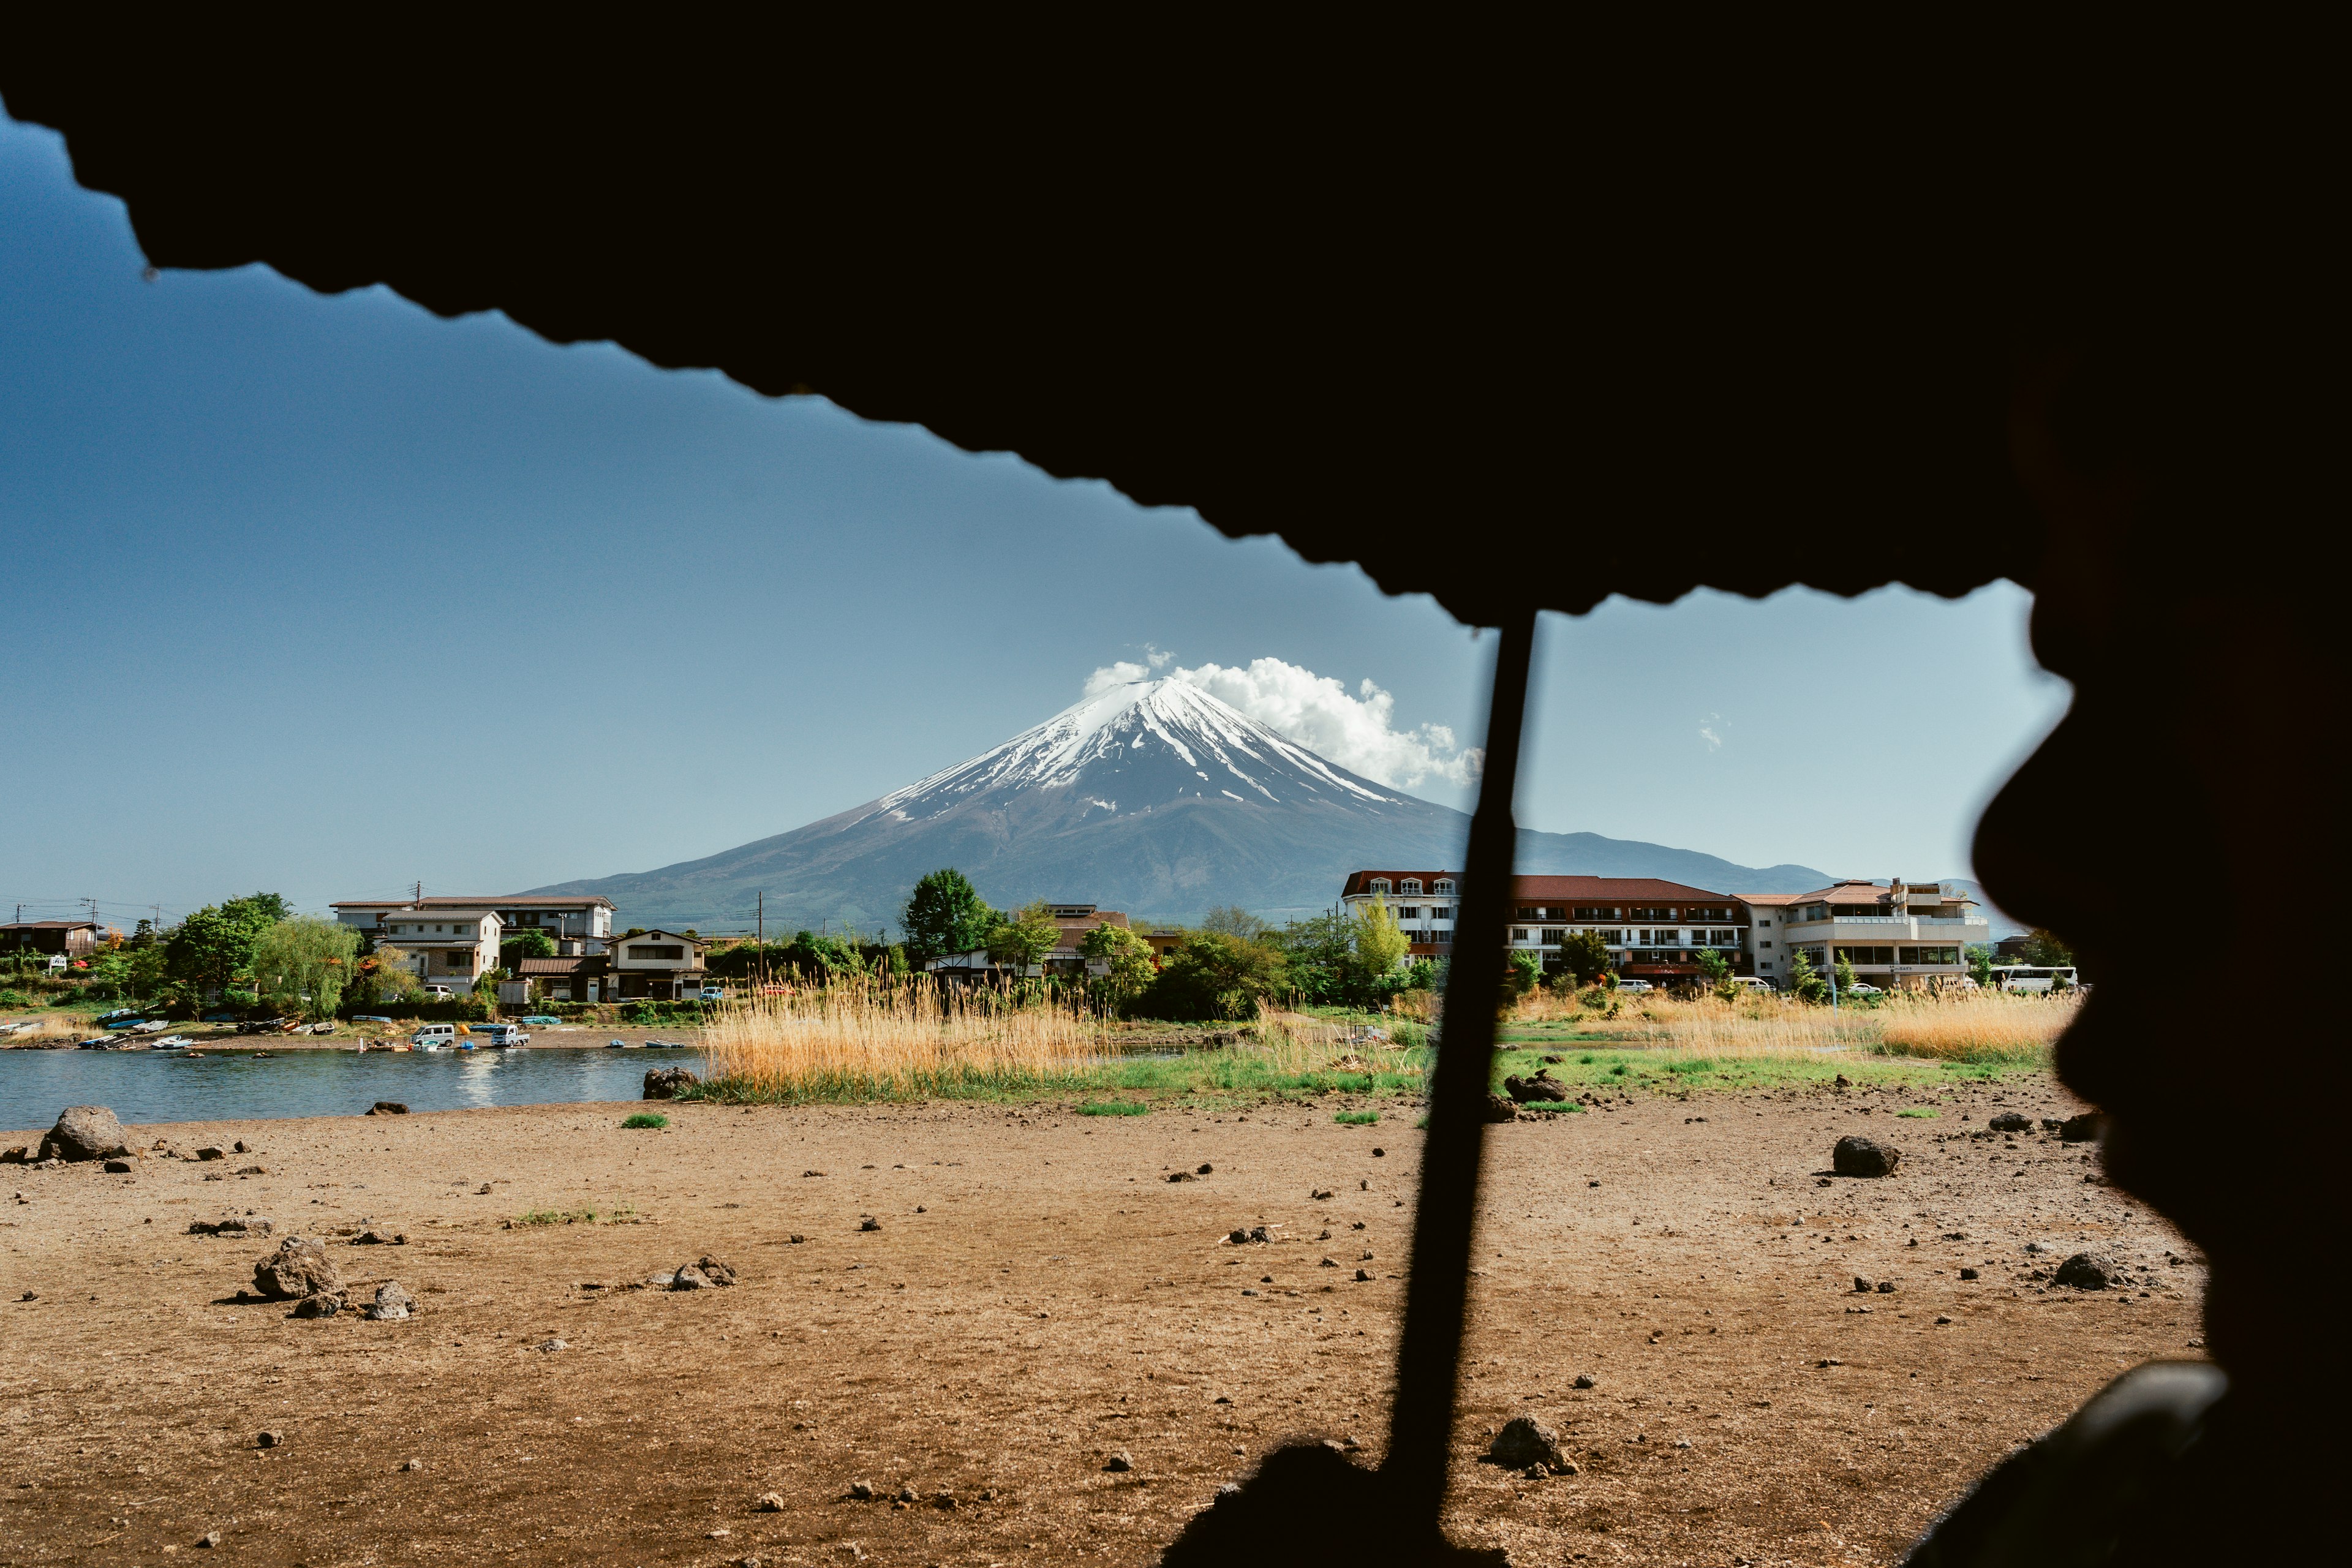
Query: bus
[2034,977]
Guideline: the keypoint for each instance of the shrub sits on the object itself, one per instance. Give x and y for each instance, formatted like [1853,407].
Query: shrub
[1357,1118]
[653,1119]
[1562,1107]
[1917,1111]
[1115,1107]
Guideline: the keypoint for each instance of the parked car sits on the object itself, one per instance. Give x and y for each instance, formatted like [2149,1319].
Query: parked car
[1751,983]
[433,1037]
[501,1037]
[1863,988]
[1635,985]
[439,993]
[712,994]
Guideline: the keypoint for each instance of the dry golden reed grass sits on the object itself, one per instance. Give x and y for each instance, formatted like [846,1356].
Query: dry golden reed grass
[861,1039]
[46,1028]
[1969,1026]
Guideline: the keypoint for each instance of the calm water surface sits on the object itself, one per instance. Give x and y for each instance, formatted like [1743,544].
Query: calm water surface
[225,1084]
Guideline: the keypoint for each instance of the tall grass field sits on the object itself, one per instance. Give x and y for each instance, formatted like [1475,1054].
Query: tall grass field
[867,1040]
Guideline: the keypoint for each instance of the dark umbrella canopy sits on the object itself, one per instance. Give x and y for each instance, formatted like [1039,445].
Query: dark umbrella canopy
[1455,345]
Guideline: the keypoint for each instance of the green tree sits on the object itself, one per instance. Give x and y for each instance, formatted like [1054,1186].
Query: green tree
[213,948]
[1319,955]
[1521,975]
[1214,974]
[945,914]
[2043,949]
[1233,921]
[302,965]
[109,976]
[1584,955]
[1805,982]
[1380,944]
[1980,962]
[384,978]
[1026,938]
[258,909]
[1844,973]
[1716,970]
[513,950]
[1127,954]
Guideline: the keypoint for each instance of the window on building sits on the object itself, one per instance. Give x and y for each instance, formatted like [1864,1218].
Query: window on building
[1442,936]
[1410,885]
[658,952]
[1653,913]
[1408,912]
[1765,943]
[1380,884]
[1554,938]
[1613,937]
[1519,934]
[1867,955]
[1443,885]
[1720,938]
[1440,911]
[460,961]
[1931,955]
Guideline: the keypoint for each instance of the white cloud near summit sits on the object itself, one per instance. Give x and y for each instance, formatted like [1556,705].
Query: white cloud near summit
[1357,731]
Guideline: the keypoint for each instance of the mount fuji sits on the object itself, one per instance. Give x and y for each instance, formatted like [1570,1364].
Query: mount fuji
[1153,797]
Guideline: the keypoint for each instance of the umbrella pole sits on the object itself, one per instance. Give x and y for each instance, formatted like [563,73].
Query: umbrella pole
[1437,1286]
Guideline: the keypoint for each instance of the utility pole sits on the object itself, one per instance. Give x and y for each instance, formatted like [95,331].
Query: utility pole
[760,942]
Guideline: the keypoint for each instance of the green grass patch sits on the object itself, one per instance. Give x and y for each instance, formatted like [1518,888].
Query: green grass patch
[1115,1107]
[1357,1118]
[1558,1107]
[1690,1065]
[653,1119]
[1917,1111]
[557,1217]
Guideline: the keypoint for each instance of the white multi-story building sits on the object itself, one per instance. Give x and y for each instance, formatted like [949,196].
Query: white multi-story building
[1892,933]
[1654,929]
[452,947]
[579,926]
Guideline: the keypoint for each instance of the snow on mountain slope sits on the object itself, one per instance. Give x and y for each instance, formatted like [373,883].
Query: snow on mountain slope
[1151,739]
[1153,797]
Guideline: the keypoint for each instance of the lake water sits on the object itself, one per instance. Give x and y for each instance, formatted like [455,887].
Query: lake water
[223,1085]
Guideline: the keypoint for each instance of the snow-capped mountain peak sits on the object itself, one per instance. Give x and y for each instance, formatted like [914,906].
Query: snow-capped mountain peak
[1137,745]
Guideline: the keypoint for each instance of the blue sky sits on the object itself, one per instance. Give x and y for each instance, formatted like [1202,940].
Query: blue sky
[325,594]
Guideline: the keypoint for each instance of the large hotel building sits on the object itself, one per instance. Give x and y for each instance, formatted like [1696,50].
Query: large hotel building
[1892,933]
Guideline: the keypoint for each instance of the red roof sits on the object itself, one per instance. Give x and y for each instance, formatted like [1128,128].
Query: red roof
[481,902]
[1568,890]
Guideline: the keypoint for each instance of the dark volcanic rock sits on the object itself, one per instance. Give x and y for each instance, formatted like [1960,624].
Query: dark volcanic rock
[1862,1157]
[299,1266]
[118,1167]
[325,1304]
[1502,1108]
[2088,1272]
[1526,1441]
[1542,1087]
[663,1083]
[2010,1121]
[389,1108]
[2083,1129]
[84,1132]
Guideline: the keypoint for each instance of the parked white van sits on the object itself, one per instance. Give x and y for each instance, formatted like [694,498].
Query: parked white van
[2032,977]
[433,1037]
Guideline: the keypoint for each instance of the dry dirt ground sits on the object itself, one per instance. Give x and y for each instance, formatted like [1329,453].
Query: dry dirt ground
[1039,1296]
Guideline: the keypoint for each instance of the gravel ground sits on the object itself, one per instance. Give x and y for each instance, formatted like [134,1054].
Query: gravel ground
[1038,1298]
